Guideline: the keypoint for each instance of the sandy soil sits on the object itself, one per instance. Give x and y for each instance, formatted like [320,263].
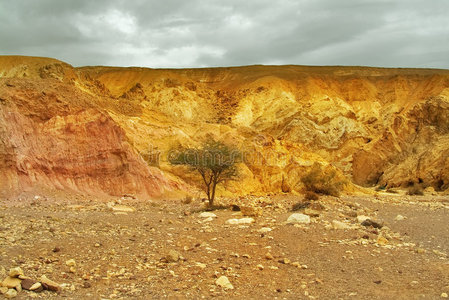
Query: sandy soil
[124,255]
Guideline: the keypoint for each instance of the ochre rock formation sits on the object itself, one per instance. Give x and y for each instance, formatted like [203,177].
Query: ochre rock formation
[107,130]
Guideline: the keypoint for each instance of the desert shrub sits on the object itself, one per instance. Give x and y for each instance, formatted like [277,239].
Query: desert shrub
[187,199]
[321,182]
[300,205]
[415,190]
[309,195]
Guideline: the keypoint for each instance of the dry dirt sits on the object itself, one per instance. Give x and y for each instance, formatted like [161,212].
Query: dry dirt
[122,254]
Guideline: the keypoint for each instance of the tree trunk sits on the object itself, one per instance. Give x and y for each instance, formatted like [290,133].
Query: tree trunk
[211,200]
[208,194]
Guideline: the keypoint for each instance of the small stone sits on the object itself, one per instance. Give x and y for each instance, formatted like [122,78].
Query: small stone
[260,267]
[296,264]
[224,282]
[362,218]
[56,249]
[340,225]
[15,272]
[265,229]
[207,214]
[298,218]
[201,265]
[3,289]
[50,284]
[420,250]
[369,222]
[414,283]
[37,287]
[70,263]
[11,293]
[382,241]
[86,284]
[11,282]
[284,261]
[123,208]
[269,256]
[444,295]
[240,221]
[399,218]
[27,284]
[172,256]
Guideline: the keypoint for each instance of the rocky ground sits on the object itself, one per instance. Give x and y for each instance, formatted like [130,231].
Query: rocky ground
[331,249]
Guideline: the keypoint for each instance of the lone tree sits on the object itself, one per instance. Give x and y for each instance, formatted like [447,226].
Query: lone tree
[213,160]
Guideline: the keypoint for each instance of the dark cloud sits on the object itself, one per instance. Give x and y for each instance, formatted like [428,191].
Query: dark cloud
[175,33]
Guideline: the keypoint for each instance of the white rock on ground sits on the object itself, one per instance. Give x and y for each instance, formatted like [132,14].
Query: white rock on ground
[362,218]
[399,218]
[240,221]
[15,272]
[298,218]
[207,214]
[340,225]
[123,208]
[224,282]
[11,293]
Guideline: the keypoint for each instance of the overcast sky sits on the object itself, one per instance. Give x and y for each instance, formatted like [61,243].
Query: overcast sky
[199,33]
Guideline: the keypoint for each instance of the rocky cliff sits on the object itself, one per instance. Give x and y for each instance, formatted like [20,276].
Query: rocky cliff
[107,130]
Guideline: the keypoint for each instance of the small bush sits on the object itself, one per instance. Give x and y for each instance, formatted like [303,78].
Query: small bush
[187,200]
[321,182]
[300,205]
[415,190]
[311,196]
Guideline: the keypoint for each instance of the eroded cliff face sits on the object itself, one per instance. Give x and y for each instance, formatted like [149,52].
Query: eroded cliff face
[111,128]
[52,136]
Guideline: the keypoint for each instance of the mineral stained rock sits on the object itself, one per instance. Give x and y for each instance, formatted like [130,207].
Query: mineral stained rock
[107,130]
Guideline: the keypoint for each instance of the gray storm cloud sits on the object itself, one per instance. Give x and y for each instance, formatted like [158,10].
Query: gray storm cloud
[172,33]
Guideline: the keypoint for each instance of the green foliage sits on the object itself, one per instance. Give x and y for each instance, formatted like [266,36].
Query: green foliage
[214,161]
[321,182]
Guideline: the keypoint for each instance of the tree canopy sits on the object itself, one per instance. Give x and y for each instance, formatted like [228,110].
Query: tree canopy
[214,160]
